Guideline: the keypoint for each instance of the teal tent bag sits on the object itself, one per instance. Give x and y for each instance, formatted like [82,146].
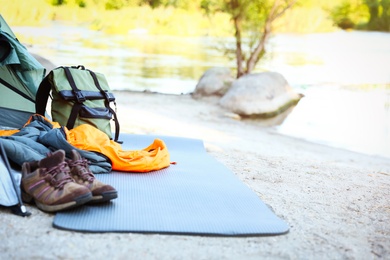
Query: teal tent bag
[79,96]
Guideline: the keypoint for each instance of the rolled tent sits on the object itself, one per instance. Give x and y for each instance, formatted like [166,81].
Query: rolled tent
[20,76]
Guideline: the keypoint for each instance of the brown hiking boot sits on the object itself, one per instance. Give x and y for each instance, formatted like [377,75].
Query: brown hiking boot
[49,184]
[81,174]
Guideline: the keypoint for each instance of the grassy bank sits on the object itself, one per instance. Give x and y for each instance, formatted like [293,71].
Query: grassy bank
[166,21]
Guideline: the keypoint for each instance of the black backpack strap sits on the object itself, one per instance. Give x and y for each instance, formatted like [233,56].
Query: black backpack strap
[79,99]
[117,127]
[107,103]
[42,96]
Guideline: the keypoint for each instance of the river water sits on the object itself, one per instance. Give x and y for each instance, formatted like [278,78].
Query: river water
[345,76]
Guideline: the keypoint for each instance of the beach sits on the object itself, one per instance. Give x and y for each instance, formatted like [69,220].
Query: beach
[335,201]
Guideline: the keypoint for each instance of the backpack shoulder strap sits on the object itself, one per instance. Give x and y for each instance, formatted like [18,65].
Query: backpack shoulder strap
[107,103]
[42,96]
[79,99]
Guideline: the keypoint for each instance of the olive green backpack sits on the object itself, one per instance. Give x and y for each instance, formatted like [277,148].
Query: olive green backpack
[79,96]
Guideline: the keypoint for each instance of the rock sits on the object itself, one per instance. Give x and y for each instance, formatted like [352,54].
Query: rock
[264,94]
[215,81]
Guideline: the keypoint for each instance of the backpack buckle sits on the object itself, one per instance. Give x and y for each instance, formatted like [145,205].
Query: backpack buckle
[80,97]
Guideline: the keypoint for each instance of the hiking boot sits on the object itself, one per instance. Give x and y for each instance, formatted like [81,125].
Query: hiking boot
[81,174]
[49,184]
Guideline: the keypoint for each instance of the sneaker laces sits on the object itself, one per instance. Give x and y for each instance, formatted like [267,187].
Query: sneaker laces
[56,179]
[83,170]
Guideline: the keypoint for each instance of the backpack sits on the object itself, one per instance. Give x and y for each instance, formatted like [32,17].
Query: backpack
[79,96]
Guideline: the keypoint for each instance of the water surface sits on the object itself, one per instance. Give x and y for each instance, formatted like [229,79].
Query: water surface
[345,76]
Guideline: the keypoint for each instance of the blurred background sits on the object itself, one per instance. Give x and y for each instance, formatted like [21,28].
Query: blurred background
[335,52]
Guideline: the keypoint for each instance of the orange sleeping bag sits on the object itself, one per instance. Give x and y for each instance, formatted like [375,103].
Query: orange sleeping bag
[153,157]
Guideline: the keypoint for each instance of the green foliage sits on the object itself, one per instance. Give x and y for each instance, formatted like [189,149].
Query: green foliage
[340,16]
[81,3]
[349,14]
[379,15]
[57,2]
[114,4]
[152,3]
[200,17]
[251,13]
[362,14]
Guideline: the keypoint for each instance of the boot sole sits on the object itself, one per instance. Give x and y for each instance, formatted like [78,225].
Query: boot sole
[104,197]
[80,200]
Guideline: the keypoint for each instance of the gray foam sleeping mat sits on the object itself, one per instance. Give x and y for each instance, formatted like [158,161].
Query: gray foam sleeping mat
[196,196]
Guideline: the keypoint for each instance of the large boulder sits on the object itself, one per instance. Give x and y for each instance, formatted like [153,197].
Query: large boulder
[214,82]
[265,94]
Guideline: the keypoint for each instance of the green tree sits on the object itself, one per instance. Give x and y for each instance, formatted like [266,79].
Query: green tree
[349,14]
[253,20]
[341,15]
[379,14]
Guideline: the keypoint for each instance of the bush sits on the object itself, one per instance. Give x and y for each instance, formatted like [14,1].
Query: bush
[349,14]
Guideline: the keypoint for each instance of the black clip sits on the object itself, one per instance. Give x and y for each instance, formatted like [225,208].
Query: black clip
[80,97]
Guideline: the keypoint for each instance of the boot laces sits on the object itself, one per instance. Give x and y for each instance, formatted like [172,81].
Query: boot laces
[83,169]
[54,173]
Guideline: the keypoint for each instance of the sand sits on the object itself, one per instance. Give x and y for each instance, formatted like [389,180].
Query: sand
[335,201]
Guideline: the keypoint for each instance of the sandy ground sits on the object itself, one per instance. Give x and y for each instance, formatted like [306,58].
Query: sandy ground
[335,201]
